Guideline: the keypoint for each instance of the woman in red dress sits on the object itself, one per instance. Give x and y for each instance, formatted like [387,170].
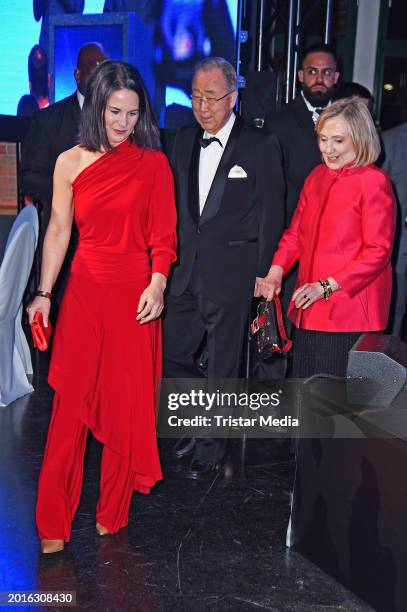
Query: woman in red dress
[341,234]
[107,347]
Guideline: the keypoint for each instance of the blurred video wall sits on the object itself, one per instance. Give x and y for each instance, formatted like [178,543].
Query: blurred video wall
[163,38]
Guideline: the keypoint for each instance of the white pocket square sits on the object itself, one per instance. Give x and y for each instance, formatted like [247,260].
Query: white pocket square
[237,172]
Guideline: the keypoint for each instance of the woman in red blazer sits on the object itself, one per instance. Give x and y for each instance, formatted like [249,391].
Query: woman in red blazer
[342,235]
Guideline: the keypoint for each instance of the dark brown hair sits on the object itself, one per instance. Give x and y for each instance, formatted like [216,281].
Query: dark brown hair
[318,48]
[111,76]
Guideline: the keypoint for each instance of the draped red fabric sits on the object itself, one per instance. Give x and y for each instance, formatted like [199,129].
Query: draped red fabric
[105,363]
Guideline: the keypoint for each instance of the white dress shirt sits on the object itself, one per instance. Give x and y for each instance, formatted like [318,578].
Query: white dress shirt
[209,159]
[312,109]
[81,98]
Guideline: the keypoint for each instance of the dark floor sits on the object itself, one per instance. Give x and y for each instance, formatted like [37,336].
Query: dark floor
[189,546]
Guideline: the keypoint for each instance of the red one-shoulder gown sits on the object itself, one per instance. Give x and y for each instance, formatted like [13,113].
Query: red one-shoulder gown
[104,363]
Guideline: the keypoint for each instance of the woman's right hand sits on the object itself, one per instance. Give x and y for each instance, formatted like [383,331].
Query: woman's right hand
[269,285]
[39,304]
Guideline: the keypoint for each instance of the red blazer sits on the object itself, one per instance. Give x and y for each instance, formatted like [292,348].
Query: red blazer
[343,227]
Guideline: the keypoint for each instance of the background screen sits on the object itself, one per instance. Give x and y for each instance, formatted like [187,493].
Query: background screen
[163,38]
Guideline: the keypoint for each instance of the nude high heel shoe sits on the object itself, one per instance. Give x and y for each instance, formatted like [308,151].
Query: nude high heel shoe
[102,531]
[52,546]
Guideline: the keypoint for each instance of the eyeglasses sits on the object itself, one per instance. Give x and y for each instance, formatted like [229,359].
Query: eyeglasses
[197,100]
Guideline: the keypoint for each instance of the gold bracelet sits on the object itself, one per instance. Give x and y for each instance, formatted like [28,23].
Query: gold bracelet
[326,286]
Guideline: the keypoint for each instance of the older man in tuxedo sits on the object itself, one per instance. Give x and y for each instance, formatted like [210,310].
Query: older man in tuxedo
[230,199]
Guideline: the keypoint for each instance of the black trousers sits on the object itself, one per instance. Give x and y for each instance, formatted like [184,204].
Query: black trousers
[188,318]
[321,352]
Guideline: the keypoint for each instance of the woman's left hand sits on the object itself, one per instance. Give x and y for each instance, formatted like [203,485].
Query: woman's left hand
[151,301]
[305,296]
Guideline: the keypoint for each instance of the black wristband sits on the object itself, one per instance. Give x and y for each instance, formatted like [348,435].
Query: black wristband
[45,294]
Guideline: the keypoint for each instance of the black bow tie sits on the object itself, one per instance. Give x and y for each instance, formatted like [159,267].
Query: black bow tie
[205,142]
[318,111]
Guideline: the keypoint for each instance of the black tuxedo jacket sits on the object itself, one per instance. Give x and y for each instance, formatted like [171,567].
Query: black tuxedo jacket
[243,218]
[295,131]
[52,130]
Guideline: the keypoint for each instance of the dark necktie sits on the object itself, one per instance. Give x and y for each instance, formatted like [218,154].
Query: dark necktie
[318,111]
[205,142]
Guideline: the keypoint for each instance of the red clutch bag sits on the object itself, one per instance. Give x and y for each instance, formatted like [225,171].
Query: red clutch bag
[40,333]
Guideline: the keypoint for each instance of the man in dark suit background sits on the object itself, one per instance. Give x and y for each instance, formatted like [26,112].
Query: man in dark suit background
[294,123]
[395,164]
[230,200]
[53,130]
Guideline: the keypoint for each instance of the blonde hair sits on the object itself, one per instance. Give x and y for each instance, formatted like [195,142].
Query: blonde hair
[361,128]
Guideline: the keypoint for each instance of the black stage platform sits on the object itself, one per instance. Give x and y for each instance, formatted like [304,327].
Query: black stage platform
[350,491]
[209,546]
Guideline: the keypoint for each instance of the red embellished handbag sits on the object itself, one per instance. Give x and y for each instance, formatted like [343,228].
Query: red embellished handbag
[40,333]
[269,327]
